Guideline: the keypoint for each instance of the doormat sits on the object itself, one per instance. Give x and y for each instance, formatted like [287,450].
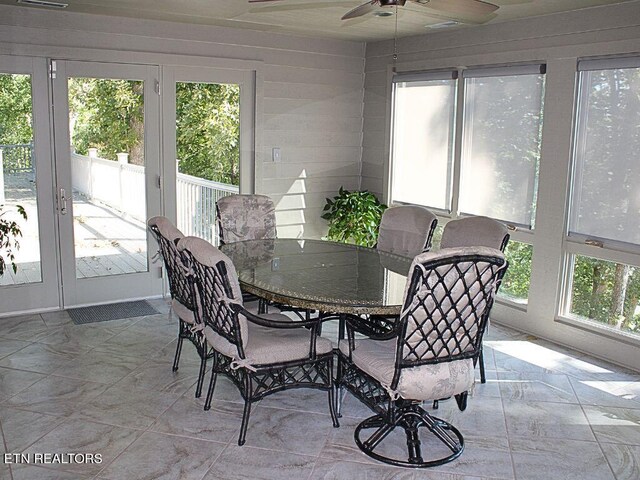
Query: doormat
[111,311]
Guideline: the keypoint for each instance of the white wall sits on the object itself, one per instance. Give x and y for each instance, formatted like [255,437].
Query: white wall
[310,93]
[558,40]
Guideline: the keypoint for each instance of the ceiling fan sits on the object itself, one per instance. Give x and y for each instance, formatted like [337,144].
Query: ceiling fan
[452,7]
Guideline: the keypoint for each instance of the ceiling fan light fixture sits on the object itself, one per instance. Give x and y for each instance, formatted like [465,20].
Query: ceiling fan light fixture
[43,3]
[447,24]
[383,13]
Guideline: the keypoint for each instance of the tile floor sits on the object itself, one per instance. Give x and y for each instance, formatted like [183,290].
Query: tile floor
[545,413]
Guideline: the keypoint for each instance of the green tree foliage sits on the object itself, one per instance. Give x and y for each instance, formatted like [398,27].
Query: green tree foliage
[107,114]
[9,233]
[15,109]
[518,277]
[592,293]
[208,131]
[354,217]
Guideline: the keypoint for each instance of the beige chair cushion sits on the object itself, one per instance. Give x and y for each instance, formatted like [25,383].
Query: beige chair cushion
[209,256]
[247,217]
[271,345]
[166,228]
[183,312]
[404,230]
[473,232]
[426,382]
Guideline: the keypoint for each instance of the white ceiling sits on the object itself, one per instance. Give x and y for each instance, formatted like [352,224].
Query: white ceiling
[317,18]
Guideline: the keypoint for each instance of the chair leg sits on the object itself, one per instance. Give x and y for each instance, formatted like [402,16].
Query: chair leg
[483,378]
[435,404]
[245,422]
[212,385]
[203,371]
[332,406]
[176,358]
[339,397]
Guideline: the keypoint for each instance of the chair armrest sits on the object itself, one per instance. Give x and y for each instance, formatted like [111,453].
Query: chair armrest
[266,322]
[314,325]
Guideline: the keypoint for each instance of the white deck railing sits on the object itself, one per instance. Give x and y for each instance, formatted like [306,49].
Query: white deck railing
[121,186]
[196,200]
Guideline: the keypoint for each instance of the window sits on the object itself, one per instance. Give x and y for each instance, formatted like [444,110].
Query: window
[606,199]
[604,218]
[423,126]
[501,146]
[496,154]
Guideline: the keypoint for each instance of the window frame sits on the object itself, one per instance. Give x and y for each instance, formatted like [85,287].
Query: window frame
[581,244]
[518,233]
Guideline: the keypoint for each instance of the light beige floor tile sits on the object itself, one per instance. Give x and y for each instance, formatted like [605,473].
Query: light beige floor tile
[547,420]
[100,367]
[246,463]
[624,460]
[545,458]
[159,377]
[125,407]
[615,425]
[14,381]
[536,387]
[56,395]
[21,427]
[288,431]
[9,346]
[41,358]
[187,418]
[156,456]
[85,437]
[329,470]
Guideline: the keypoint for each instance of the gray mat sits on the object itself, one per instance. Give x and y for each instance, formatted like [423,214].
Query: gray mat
[111,311]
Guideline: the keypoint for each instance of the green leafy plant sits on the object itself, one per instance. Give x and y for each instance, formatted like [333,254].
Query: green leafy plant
[354,217]
[9,231]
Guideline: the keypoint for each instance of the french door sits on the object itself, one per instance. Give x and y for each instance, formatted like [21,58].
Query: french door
[81,151]
[25,181]
[107,158]
[208,142]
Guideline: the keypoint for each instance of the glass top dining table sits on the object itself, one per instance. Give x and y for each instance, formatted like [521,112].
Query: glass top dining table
[320,275]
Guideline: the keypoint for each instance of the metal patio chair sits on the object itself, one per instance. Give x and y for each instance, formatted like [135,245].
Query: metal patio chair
[475,232]
[429,355]
[183,303]
[406,230]
[261,355]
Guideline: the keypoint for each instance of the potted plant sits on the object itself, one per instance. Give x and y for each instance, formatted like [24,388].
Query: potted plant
[9,231]
[354,217]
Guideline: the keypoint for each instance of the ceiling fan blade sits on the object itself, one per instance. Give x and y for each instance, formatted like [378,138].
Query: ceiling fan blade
[260,1]
[461,7]
[361,10]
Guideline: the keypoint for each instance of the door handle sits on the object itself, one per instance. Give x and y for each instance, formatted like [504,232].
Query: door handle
[63,202]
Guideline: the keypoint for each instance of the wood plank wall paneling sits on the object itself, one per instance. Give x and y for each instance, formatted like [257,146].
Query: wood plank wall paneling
[312,94]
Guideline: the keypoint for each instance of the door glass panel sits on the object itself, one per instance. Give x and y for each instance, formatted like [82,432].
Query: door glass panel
[208,153]
[106,125]
[18,179]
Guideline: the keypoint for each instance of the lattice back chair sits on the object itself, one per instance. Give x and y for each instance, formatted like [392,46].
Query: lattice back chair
[430,354]
[183,304]
[478,232]
[260,354]
[406,230]
[245,217]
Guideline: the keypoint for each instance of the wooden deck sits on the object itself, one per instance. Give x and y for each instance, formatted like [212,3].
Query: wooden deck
[106,241]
